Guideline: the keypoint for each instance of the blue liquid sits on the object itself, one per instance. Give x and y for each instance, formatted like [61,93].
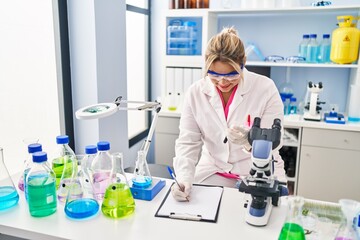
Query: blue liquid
[325,53]
[142,182]
[8,197]
[81,208]
[303,51]
[312,53]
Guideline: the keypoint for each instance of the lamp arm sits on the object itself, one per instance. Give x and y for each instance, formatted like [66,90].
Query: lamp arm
[146,144]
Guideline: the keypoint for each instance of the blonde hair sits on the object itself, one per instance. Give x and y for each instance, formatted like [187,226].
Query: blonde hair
[225,46]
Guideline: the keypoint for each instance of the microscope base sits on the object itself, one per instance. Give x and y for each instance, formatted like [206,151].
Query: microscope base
[258,221]
[150,192]
[309,117]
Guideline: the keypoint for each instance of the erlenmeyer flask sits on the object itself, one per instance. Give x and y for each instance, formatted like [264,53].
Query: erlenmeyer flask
[142,177]
[86,161]
[8,194]
[80,201]
[27,161]
[350,209]
[67,180]
[292,228]
[118,200]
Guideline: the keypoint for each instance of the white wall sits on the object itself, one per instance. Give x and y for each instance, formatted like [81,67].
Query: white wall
[29,104]
[98,71]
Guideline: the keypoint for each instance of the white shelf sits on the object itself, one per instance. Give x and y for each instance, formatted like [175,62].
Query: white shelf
[307,65]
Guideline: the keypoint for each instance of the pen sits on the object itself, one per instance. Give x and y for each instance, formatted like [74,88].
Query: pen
[248,120]
[172,174]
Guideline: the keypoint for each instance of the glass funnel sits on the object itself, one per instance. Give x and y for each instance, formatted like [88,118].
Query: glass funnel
[293,228]
[80,201]
[350,209]
[28,160]
[142,177]
[8,194]
[118,200]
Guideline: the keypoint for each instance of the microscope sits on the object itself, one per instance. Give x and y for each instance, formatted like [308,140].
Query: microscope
[262,189]
[313,107]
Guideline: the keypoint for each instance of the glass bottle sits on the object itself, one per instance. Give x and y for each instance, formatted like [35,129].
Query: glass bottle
[325,47]
[292,106]
[32,148]
[80,201]
[292,228]
[118,200]
[41,187]
[303,46]
[62,164]
[350,209]
[101,168]
[142,177]
[65,163]
[312,51]
[90,151]
[27,161]
[8,194]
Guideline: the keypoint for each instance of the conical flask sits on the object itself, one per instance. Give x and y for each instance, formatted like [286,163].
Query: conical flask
[8,194]
[80,201]
[28,160]
[292,228]
[350,209]
[142,177]
[118,201]
[69,179]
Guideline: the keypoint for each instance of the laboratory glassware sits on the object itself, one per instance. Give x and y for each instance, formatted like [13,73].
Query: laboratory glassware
[312,51]
[8,194]
[142,177]
[303,46]
[293,228]
[62,164]
[41,187]
[324,52]
[118,200]
[350,209]
[86,161]
[32,148]
[27,161]
[101,168]
[80,201]
[66,161]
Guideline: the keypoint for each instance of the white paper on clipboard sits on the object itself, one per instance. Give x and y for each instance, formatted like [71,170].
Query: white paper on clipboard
[203,205]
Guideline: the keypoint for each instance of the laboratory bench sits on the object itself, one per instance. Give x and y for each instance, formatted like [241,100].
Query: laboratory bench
[17,223]
[325,161]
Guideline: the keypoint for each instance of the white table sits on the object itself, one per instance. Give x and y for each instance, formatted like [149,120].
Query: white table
[142,224]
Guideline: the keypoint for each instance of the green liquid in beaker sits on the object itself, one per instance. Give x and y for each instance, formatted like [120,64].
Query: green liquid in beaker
[118,201]
[292,231]
[58,168]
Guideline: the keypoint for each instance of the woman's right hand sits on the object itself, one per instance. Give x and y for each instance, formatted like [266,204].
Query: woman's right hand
[181,193]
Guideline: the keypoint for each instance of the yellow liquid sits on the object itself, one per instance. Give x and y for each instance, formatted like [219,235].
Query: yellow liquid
[118,201]
[172,108]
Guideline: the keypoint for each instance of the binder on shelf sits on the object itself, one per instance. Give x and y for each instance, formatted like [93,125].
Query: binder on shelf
[179,77]
[204,204]
[170,88]
[187,78]
[197,74]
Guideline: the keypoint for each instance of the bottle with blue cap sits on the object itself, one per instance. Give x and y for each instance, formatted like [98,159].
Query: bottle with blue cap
[64,166]
[32,148]
[101,169]
[312,51]
[325,47]
[303,46]
[41,187]
[90,154]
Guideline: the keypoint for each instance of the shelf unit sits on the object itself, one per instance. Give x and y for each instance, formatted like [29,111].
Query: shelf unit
[271,38]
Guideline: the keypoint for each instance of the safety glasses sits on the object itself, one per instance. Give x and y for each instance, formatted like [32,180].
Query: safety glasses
[231,76]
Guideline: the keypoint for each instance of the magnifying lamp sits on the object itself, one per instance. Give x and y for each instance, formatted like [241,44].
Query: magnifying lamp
[101,110]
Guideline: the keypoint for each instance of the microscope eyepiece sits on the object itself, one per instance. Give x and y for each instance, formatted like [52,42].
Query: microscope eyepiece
[277,123]
[257,121]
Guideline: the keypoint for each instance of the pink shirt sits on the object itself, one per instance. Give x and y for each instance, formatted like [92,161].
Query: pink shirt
[226,108]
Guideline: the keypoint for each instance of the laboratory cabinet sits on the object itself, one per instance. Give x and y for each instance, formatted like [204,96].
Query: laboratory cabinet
[329,164]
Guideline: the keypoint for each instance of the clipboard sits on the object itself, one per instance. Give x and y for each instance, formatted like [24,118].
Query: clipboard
[203,206]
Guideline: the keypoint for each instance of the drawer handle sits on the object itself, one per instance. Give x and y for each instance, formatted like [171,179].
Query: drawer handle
[346,141]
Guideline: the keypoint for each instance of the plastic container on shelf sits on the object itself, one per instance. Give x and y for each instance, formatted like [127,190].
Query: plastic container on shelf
[182,38]
[312,51]
[303,46]
[324,51]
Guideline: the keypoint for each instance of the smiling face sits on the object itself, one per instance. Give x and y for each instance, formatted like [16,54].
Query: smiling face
[223,84]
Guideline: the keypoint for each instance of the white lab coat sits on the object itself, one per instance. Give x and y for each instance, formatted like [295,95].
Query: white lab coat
[203,128]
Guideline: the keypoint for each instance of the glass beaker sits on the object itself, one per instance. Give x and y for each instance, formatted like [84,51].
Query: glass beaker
[350,209]
[27,161]
[80,201]
[286,89]
[8,194]
[118,200]
[292,228]
[142,177]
